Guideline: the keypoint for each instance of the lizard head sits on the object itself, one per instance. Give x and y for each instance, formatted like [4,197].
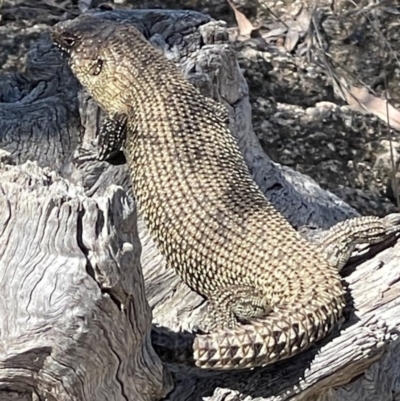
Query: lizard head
[98,54]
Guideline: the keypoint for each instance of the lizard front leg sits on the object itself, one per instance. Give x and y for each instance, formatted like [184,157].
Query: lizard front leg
[111,140]
[112,136]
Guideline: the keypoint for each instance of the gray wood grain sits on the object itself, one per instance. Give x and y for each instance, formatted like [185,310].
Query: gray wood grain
[74,319]
[46,118]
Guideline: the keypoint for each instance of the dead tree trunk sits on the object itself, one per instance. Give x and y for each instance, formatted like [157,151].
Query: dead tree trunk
[74,320]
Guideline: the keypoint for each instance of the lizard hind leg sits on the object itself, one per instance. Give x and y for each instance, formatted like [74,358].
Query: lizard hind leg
[340,240]
[235,304]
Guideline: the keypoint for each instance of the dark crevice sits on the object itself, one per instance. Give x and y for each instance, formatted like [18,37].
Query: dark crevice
[99,223]
[274,187]
[117,377]
[115,299]
[85,251]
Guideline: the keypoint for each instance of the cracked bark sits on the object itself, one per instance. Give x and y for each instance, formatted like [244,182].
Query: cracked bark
[69,246]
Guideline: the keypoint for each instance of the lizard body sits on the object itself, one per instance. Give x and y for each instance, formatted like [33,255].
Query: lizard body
[271,293]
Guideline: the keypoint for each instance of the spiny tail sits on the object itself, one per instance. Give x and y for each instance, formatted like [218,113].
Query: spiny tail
[281,335]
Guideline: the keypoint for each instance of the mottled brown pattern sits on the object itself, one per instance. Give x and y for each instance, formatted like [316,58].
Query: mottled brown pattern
[209,219]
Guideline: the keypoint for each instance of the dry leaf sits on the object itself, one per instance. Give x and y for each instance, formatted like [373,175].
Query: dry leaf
[275,33]
[361,100]
[297,29]
[84,5]
[391,10]
[244,25]
[304,19]
[292,37]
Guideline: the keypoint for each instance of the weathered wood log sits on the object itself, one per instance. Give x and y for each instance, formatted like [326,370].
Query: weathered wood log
[74,319]
[46,118]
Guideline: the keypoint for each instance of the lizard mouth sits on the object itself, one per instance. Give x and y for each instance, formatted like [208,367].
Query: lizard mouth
[64,50]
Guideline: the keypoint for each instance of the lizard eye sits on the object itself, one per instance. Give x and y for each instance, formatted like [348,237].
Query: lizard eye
[67,42]
[96,67]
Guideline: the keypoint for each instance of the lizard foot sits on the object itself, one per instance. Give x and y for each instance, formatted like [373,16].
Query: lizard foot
[340,240]
[112,136]
[110,142]
[237,303]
